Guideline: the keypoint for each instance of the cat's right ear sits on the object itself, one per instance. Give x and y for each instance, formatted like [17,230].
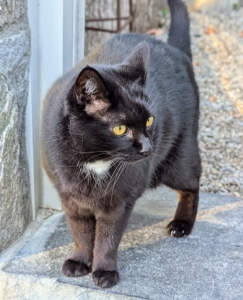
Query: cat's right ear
[135,66]
[89,92]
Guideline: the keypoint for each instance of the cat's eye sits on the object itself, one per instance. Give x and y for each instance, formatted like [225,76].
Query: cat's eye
[119,130]
[149,121]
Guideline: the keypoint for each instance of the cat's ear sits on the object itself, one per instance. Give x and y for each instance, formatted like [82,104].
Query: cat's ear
[90,91]
[137,62]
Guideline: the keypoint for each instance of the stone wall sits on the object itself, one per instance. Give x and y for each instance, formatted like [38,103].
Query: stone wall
[15,205]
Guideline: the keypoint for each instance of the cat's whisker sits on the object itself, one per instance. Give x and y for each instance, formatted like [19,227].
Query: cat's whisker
[156,81]
[122,169]
[90,152]
[154,104]
[93,157]
[158,155]
[165,159]
[154,173]
[113,176]
[96,182]
[79,183]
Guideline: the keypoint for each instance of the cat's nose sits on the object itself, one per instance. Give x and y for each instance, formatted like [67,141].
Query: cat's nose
[146,147]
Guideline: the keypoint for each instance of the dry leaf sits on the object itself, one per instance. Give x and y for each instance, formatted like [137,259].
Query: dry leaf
[196,63]
[155,31]
[239,106]
[210,30]
[241,33]
[236,115]
[224,80]
[212,99]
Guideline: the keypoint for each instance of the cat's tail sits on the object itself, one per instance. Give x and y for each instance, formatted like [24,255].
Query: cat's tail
[179,33]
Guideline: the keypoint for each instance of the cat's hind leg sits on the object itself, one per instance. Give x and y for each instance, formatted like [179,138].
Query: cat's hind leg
[185,215]
[183,174]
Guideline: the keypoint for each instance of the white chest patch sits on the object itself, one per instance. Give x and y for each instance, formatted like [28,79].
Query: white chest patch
[99,167]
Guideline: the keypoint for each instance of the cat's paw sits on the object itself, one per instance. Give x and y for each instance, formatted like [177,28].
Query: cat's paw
[105,279]
[179,228]
[73,268]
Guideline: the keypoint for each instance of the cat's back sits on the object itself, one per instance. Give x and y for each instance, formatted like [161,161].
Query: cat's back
[118,48]
[168,65]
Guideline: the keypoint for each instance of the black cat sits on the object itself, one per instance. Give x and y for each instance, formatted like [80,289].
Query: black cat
[122,121]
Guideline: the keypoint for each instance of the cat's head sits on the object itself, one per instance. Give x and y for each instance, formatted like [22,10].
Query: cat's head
[109,111]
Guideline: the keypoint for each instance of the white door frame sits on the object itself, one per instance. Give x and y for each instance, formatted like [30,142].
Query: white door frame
[57,44]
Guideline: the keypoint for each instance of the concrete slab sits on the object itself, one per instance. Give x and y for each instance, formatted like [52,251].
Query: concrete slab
[208,264]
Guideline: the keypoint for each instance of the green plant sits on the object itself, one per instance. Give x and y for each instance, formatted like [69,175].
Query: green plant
[165,12]
[236,6]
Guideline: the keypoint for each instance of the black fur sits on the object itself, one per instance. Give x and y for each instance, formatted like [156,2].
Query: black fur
[179,36]
[127,80]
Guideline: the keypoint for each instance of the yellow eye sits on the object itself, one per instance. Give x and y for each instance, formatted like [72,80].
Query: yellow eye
[119,130]
[149,121]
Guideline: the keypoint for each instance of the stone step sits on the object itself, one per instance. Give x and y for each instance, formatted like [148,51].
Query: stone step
[208,264]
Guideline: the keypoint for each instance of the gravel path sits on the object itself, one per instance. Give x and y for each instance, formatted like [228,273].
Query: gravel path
[217,47]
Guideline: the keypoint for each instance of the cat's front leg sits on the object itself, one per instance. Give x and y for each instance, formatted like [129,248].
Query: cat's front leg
[185,215]
[109,229]
[82,227]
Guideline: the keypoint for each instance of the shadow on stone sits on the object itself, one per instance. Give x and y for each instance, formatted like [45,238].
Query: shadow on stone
[205,265]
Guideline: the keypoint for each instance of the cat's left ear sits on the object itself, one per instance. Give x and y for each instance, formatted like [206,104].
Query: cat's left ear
[90,91]
[137,63]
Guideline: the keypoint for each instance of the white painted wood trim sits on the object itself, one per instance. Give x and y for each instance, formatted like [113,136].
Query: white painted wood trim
[57,37]
[79,30]
[32,112]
